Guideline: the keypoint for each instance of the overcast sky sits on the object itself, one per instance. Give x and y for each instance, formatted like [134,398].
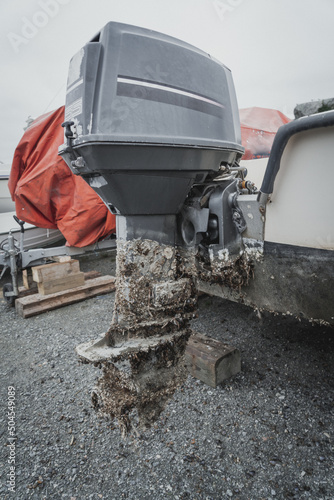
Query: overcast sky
[280,51]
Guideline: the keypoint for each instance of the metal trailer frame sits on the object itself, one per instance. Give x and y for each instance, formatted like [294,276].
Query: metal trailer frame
[16,258]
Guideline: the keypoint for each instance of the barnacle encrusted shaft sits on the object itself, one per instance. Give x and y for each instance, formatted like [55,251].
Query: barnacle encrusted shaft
[142,353]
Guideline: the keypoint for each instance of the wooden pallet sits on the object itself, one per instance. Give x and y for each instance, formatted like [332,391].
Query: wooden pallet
[30,287]
[37,303]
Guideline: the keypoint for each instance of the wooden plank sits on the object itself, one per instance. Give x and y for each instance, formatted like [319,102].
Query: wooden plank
[62,258]
[210,360]
[37,304]
[27,279]
[55,270]
[23,292]
[47,287]
[89,275]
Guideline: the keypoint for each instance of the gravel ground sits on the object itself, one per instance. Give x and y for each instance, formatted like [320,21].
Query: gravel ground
[266,433]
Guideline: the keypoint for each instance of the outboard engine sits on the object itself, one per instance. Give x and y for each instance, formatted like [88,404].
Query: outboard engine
[152,125]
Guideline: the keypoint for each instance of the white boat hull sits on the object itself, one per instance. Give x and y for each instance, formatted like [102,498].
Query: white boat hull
[292,220]
[6,202]
[34,237]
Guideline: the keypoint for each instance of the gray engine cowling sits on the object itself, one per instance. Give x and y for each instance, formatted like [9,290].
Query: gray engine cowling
[151,116]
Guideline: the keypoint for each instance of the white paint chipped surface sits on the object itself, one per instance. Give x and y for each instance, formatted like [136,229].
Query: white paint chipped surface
[74,71]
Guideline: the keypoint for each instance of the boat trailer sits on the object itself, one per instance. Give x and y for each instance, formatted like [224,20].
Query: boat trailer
[14,257]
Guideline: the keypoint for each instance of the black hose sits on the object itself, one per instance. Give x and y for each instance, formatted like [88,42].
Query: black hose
[281,139]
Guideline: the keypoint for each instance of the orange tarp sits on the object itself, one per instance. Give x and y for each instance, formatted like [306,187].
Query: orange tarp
[47,194]
[258,129]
